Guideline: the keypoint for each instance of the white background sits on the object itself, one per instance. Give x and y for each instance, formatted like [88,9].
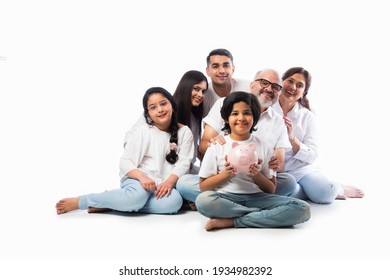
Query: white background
[73,73]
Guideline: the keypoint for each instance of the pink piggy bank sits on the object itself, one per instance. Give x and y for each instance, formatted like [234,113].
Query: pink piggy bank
[242,156]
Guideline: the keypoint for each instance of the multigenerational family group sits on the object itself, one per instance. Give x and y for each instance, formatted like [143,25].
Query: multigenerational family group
[175,155]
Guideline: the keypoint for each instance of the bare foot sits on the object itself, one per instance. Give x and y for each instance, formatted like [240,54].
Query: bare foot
[219,223]
[98,210]
[351,192]
[67,204]
[192,206]
[188,205]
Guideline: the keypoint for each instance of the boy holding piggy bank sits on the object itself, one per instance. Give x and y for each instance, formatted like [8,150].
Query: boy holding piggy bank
[237,191]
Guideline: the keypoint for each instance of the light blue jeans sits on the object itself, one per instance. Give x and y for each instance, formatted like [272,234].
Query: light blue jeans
[132,197]
[258,210]
[188,186]
[317,188]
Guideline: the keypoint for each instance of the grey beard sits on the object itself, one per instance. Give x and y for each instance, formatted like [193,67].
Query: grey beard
[265,104]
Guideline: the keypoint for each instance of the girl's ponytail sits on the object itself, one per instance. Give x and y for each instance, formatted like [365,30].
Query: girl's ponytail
[172,157]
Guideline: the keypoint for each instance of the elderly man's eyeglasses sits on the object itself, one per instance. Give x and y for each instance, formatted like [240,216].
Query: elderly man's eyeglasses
[265,83]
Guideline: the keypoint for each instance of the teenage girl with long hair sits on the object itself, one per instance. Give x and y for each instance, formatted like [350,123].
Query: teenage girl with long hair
[153,160]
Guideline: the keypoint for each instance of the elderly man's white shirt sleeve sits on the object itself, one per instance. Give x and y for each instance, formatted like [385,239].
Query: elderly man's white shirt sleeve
[267,172]
[283,141]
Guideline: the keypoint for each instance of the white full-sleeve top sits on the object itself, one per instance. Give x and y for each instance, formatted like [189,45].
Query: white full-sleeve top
[195,133]
[147,148]
[305,130]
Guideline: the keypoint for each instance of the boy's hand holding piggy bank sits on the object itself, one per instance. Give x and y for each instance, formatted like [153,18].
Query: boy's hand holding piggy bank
[242,156]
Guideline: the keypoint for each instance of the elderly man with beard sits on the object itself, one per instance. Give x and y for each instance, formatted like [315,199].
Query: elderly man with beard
[270,129]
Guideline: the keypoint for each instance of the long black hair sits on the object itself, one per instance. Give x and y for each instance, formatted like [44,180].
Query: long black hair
[183,98]
[172,156]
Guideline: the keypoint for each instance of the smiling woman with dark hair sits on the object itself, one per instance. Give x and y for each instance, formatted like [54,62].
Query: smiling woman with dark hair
[301,126]
[189,95]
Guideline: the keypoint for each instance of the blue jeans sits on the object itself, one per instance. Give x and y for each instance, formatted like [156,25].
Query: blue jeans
[258,210]
[188,186]
[132,197]
[317,188]
[285,184]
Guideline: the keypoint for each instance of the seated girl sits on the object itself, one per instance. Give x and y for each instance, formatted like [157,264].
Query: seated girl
[148,173]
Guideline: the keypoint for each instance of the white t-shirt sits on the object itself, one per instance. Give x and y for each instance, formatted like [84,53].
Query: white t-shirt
[305,130]
[211,96]
[214,162]
[270,128]
[146,150]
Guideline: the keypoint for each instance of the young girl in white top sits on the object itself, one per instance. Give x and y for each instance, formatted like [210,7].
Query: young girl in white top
[189,95]
[243,200]
[163,153]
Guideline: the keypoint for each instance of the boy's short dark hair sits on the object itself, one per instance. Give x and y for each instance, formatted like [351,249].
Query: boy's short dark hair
[235,97]
[223,52]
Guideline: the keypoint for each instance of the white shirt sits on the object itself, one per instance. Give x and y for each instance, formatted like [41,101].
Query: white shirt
[305,130]
[146,151]
[270,128]
[211,96]
[195,128]
[141,121]
[214,163]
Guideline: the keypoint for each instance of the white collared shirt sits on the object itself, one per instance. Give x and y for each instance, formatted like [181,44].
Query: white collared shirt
[305,130]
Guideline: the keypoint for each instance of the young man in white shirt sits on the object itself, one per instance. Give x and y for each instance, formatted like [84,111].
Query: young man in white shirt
[220,68]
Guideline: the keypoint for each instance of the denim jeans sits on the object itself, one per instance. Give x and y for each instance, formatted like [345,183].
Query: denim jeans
[132,197]
[258,210]
[317,188]
[285,184]
[188,186]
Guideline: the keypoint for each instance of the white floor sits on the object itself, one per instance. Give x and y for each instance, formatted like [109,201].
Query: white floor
[72,83]
[337,231]
[351,232]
